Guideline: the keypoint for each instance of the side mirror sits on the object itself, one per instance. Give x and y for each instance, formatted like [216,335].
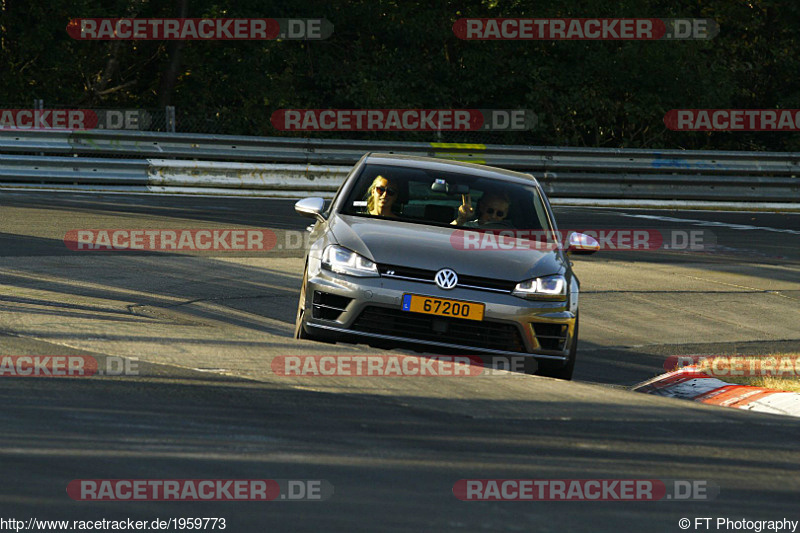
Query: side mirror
[310,207]
[580,243]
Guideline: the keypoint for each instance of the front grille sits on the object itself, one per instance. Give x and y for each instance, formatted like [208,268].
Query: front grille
[393,271]
[551,336]
[427,276]
[329,306]
[484,334]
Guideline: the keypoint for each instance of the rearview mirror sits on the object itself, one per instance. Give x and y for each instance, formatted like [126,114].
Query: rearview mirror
[441,185]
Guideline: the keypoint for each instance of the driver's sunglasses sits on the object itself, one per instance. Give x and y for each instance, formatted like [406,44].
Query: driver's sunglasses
[491,211]
[380,190]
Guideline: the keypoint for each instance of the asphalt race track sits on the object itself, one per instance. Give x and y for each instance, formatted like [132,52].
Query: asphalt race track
[204,328]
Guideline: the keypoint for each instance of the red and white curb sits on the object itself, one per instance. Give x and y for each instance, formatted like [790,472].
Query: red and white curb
[690,384]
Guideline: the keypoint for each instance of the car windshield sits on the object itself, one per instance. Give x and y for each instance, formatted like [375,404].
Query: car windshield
[436,198]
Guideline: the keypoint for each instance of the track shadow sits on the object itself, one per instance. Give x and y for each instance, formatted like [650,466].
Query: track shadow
[393,467]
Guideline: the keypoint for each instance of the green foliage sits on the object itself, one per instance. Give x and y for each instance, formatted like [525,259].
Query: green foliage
[403,54]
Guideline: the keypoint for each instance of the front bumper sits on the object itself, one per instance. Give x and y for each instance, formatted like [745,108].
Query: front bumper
[341,304]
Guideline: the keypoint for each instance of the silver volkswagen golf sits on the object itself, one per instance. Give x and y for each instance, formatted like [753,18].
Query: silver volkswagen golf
[452,256]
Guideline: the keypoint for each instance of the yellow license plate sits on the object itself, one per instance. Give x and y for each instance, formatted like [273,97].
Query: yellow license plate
[442,307]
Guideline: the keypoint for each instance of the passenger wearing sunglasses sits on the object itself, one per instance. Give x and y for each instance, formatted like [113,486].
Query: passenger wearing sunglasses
[382,195]
[492,209]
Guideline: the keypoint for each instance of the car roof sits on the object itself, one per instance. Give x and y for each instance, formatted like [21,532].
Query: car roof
[445,165]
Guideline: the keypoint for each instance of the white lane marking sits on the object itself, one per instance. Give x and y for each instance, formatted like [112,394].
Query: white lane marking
[695,222]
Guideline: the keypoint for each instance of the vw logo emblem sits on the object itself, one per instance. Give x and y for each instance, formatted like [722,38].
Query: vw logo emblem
[446,278]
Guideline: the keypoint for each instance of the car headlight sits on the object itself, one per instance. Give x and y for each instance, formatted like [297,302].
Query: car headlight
[547,287]
[344,261]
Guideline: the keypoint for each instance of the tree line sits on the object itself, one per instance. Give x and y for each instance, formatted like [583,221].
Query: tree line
[404,54]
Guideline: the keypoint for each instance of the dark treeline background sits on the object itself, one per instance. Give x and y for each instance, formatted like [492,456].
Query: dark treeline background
[403,54]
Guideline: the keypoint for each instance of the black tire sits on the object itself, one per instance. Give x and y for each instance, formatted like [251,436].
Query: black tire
[299,329]
[557,369]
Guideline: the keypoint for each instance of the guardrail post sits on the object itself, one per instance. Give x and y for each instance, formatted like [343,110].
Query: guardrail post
[38,105]
[170,112]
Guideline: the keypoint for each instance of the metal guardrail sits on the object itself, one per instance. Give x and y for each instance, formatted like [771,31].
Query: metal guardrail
[70,170]
[122,143]
[210,177]
[278,166]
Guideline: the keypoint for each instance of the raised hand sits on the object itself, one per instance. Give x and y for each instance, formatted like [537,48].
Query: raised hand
[465,210]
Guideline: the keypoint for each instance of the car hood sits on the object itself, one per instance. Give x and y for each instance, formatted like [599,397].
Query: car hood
[390,242]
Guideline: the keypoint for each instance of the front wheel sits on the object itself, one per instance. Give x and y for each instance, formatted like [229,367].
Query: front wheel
[557,369]
[299,330]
